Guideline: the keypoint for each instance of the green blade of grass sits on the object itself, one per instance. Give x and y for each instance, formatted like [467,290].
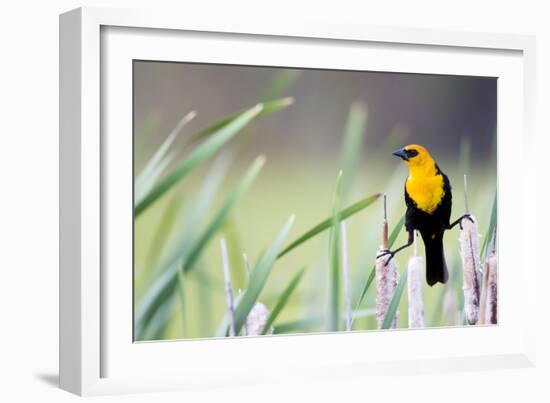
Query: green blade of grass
[163,231]
[283,299]
[156,329]
[181,289]
[269,107]
[299,326]
[147,180]
[200,154]
[198,211]
[391,240]
[326,224]
[258,278]
[161,290]
[281,80]
[223,213]
[223,327]
[349,160]
[204,295]
[334,259]
[392,308]
[143,136]
[164,286]
[352,146]
[491,229]
[159,160]
[305,325]
[239,274]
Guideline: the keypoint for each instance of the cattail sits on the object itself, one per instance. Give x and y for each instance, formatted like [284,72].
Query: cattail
[345,273]
[488,309]
[491,314]
[483,293]
[386,277]
[415,279]
[450,314]
[228,290]
[256,320]
[259,314]
[471,266]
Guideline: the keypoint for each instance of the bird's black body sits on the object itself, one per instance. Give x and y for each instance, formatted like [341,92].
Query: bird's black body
[429,200]
[432,226]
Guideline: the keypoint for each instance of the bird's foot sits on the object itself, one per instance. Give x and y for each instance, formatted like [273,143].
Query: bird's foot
[459,221]
[385,253]
[465,216]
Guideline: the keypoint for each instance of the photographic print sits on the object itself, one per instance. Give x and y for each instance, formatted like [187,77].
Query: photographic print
[278,201]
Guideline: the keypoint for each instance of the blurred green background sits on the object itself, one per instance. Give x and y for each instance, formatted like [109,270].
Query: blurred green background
[453,116]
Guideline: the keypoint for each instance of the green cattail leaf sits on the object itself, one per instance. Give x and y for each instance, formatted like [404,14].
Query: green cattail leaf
[163,232]
[258,278]
[391,240]
[392,308]
[153,304]
[492,223]
[283,299]
[305,325]
[200,154]
[326,224]
[158,162]
[268,107]
[181,293]
[352,146]
[223,213]
[281,80]
[156,328]
[165,285]
[334,259]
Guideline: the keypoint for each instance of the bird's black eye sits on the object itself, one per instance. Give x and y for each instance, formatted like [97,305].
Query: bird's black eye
[411,153]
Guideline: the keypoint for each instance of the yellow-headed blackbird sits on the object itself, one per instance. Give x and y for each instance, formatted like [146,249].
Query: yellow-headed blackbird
[429,201]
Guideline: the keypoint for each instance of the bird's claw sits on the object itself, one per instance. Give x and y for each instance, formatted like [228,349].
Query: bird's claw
[468,216]
[385,253]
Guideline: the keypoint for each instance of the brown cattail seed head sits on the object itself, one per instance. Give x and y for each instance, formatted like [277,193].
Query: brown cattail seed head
[386,282]
[256,320]
[491,309]
[415,279]
[471,268]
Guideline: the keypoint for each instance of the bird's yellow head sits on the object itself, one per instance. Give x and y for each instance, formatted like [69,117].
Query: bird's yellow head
[418,160]
[415,156]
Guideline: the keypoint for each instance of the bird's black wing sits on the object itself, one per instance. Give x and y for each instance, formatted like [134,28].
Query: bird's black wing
[443,211]
[412,215]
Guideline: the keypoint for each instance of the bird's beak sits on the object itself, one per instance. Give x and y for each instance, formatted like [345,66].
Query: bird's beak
[401,154]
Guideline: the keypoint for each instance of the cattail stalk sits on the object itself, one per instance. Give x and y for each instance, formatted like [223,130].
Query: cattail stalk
[415,279]
[466,194]
[471,266]
[228,290]
[386,277]
[345,274]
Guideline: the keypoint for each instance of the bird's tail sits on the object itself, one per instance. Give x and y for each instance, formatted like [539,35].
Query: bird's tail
[436,268]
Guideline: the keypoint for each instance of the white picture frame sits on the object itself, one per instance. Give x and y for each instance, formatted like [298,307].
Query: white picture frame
[96,355]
